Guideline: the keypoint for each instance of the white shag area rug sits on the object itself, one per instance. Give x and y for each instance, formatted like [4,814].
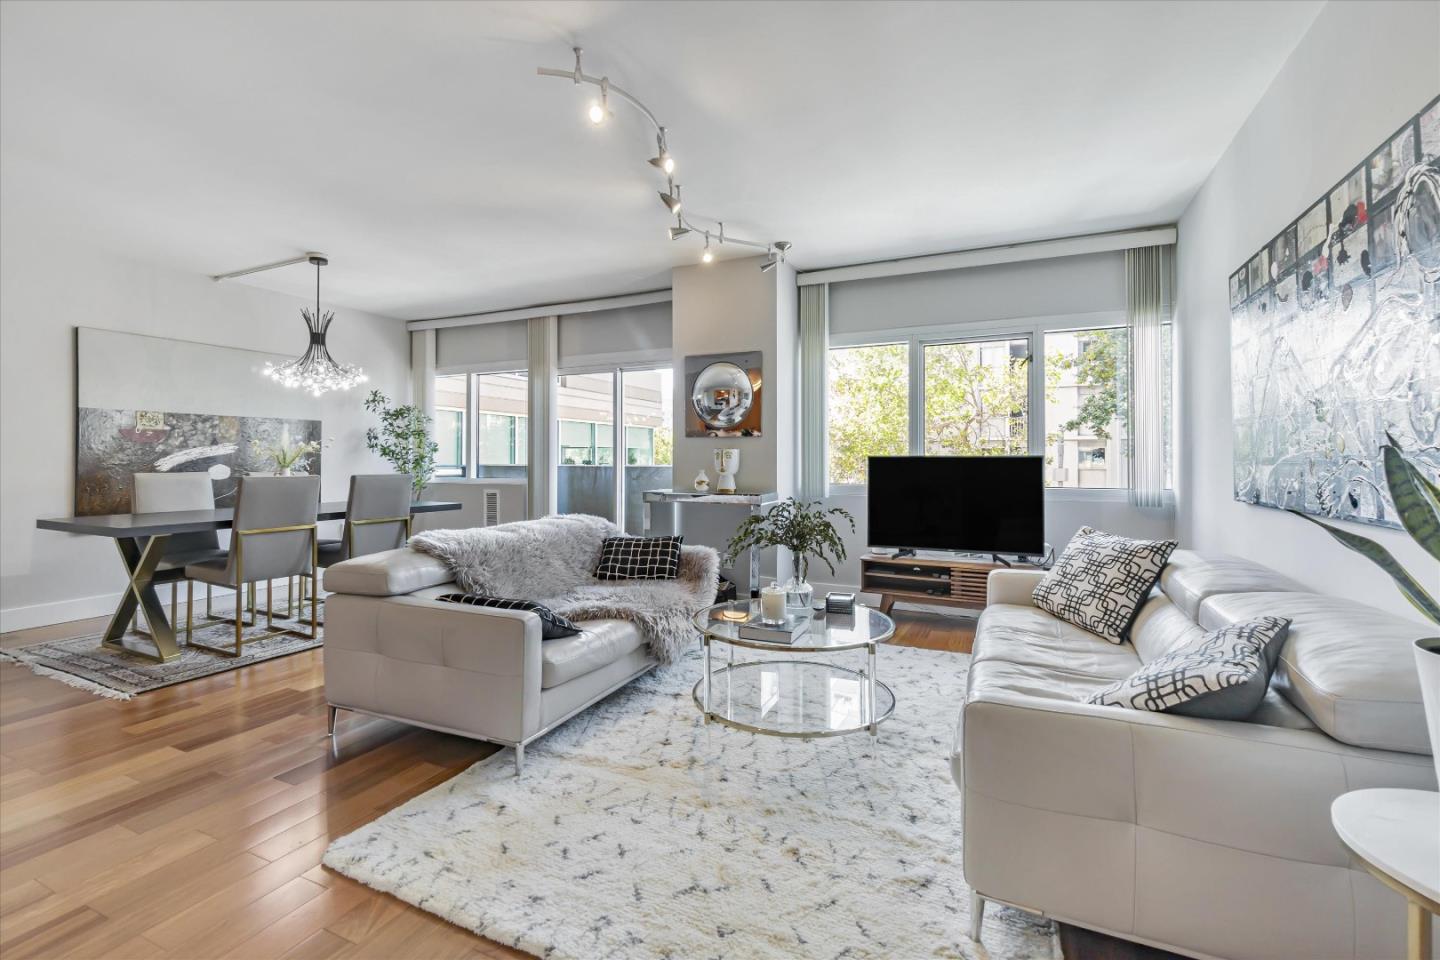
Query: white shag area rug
[638,831]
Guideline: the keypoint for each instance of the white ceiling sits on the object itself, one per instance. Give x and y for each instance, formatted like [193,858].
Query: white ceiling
[414,144]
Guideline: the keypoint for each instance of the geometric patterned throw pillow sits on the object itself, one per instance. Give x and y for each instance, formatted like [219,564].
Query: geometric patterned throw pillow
[1221,676]
[552,625]
[1101,580]
[639,558]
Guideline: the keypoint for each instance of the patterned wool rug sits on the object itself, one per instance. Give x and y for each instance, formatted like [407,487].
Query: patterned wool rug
[638,831]
[82,662]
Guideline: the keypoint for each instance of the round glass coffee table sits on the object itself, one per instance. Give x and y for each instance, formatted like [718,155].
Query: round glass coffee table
[797,694]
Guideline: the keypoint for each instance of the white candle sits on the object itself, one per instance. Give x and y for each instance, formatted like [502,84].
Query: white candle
[772,604]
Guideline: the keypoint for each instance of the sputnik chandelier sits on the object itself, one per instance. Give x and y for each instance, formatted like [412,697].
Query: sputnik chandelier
[686,223]
[314,371]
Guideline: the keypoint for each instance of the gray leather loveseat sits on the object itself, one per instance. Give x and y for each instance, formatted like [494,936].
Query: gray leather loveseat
[1209,838]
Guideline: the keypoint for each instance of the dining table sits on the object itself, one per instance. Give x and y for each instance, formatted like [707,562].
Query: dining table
[141,539]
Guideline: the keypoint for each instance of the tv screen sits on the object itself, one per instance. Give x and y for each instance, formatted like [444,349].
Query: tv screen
[973,504]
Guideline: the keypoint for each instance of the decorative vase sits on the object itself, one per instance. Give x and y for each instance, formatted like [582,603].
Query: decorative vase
[727,465]
[799,594]
[702,482]
[284,472]
[1427,662]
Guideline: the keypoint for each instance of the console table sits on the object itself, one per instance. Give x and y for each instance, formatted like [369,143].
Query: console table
[755,502]
[952,583]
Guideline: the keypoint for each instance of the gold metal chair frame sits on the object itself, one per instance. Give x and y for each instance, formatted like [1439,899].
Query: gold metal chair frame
[350,526]
[240,588]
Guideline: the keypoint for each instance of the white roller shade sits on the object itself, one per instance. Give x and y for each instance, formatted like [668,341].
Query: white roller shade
[639,334]
[482,348]
[1088,283]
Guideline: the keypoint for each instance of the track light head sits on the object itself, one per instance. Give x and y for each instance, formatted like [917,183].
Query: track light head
[663,162]
[676,232]
[707,255]
[778,249]
[768,265]
[671,199]
[600,109]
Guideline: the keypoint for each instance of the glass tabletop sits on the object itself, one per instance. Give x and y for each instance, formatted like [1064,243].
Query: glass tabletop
[865,627]
[794,698]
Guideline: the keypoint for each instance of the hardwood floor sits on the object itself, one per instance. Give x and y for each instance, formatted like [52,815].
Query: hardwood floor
[190,822]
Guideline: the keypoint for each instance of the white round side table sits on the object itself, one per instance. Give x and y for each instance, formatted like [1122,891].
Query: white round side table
[1396,834]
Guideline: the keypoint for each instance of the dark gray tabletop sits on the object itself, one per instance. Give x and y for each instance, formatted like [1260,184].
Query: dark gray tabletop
[193,521]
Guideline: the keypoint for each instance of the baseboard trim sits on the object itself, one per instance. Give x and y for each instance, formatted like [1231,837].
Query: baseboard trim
[103,605]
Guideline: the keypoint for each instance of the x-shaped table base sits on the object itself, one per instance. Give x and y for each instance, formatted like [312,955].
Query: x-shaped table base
[140,563]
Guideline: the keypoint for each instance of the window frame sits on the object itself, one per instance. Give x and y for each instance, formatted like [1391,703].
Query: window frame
[1033,329]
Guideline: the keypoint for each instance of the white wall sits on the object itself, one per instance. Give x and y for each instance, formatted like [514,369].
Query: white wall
[730,306]
[1318,120]
[50,285]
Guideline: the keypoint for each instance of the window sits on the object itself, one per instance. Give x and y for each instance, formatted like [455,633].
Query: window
[502,405]
[450,404]
[585,407]
[1087,410]
[976,397]
[868,415]
[647,399]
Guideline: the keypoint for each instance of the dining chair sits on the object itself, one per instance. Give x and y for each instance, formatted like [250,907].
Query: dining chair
[274,536]
[377,517]
[169,493]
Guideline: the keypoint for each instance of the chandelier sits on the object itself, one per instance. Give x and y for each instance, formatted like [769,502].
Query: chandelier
[314,371]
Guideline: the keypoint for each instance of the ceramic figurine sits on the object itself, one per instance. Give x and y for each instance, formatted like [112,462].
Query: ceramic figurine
[727,465]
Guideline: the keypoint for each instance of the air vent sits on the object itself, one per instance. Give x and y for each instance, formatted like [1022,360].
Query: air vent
[492,508]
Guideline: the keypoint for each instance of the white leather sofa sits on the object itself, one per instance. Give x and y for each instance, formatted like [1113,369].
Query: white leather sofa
[1209,838]
[392,650]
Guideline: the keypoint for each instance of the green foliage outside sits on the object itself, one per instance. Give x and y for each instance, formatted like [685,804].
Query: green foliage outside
[1102,363]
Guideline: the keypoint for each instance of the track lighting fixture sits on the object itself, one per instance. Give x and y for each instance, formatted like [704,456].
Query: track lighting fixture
[671,199]
[663,161]
[600,109]
[777,255]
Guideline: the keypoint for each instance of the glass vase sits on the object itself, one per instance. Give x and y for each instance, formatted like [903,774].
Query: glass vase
[799,595]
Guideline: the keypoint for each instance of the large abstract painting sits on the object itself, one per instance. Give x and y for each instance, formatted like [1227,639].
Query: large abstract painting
[1335,338]
[114,444]
[156,405]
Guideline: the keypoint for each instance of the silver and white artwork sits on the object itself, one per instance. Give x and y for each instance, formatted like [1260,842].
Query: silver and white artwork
[1335,338]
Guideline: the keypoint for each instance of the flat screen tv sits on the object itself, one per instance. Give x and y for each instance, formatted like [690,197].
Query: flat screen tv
[970,504]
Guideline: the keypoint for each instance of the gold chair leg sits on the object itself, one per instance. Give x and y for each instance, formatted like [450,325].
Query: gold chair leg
[189,610]
[240,621]
[209,613]
[269,604]
[174,601]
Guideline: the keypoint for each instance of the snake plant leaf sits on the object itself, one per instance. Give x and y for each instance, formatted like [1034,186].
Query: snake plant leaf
[1382,558]
[1418,507]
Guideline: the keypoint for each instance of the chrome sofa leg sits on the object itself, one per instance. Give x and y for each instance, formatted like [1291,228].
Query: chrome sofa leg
[519,759]
[330,720]
[977,915]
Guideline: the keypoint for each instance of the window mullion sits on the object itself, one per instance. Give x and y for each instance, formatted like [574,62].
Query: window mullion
[916,356]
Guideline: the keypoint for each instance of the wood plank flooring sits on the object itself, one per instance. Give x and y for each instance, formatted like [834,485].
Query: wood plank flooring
[189,822]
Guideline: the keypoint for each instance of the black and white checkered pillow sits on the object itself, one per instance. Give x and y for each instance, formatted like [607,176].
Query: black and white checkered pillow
[552,625]
[1221,676]
[639,558]
[1100,581]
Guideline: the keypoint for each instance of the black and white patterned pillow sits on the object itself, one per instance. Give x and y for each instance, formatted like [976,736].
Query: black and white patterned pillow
[1221,676]
[552,625]
[1101,580]
[639,558]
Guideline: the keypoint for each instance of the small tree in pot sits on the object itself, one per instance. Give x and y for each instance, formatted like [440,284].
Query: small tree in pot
[806,530]
[403,438]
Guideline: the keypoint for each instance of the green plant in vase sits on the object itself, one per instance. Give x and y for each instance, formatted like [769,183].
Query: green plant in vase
[806,530]
[287,459]
[403,439]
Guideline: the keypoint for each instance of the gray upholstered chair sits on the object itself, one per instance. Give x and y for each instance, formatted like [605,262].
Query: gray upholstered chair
[377,517]
[274,537]
[168,493]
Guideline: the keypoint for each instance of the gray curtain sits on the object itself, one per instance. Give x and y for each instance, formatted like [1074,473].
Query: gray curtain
[1149,278]
[814,354]
[543,344]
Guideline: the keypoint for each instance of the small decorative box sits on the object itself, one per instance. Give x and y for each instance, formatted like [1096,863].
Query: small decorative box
[839,603]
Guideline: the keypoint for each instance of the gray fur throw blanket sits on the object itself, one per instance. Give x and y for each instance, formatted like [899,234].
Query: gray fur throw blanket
[552,561]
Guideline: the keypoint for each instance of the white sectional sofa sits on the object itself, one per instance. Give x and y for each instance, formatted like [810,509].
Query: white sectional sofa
[1209,838]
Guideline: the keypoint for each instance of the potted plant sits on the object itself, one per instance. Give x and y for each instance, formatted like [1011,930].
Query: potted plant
[806,530]
[289,459]
[403,439]
[1417,503]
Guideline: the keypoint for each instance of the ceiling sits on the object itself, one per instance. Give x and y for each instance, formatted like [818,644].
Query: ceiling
[414,144]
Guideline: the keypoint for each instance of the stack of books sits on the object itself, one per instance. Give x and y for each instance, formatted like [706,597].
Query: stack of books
[786,631]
